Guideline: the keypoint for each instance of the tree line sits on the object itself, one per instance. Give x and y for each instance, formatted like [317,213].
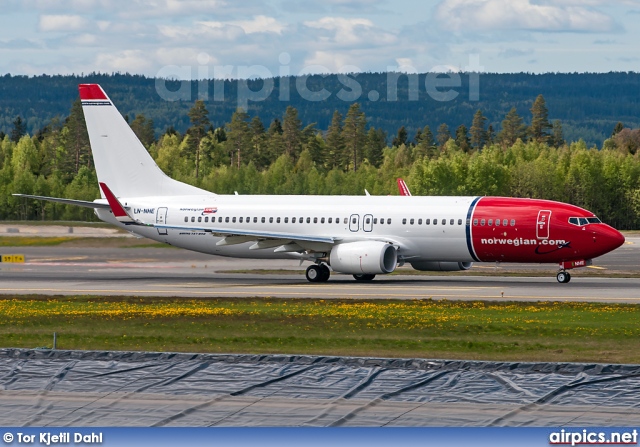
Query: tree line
[349,156]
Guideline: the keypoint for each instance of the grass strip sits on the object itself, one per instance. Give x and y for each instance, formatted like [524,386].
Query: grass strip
[509,331]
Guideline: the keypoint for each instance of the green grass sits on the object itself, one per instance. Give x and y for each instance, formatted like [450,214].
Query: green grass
[545,331]
[32,241]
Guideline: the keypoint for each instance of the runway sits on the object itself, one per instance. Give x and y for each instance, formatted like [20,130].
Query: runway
[173,272]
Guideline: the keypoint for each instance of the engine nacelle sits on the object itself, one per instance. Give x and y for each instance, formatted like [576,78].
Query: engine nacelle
[367,257]
[431,266]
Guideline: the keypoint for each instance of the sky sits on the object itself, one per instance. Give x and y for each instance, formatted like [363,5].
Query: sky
[190,39]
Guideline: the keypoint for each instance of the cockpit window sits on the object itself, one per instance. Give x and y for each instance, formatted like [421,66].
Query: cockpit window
[581,221]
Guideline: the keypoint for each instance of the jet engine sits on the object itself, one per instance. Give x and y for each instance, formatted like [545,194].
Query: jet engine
[431,266]
[367,257]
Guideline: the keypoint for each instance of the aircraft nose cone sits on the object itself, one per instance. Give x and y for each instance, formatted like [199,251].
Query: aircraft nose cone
[610,238]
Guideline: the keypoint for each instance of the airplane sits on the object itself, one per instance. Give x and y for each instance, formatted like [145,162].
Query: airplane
[363,236]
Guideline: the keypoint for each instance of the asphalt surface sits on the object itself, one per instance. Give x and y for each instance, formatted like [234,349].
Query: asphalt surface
[105,270]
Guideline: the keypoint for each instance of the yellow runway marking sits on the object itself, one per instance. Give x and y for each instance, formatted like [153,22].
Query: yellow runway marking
[596,267]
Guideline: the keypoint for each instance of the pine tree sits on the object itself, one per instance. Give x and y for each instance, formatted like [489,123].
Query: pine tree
[478,133]
[443,135]
[557,137]
[462,138]
[292,133]
[335,142]
[491,135]
[19,129]
[77,141]
[425,145]
[199,123]
[259,144]
[239,137]
[401,138]
[617,129]
[353,135]
[540,125]
[512,128]
[376,142]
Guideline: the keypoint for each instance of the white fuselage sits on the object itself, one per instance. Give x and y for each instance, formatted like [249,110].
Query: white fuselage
[344,218]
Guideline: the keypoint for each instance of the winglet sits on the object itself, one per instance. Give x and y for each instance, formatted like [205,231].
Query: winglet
[403,188]
[118,210]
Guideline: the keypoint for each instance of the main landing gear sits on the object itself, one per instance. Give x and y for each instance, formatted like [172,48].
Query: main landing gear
[364,277]
[563,277]
[318,273]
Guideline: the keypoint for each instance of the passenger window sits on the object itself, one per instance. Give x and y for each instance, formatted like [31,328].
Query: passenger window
[278,220]
[388,221]
[490,222]
[241,220]
[293,220]
[513,222]
[367,220]
[475,222]
[315,220]
[404,221]
[497,222]
[459,222]
[505,222]
[262,220]
[255,220]
[412,221]
[186,218]
[219,219]
[206,219]
[427,221]
[346,221]
[302,220]
[444,221]
[435,221]
[330,220]
[353,221]
[271,220]
[233,220]
[308,220]
[322,220]
[382,221]
[419,221]
[248,220]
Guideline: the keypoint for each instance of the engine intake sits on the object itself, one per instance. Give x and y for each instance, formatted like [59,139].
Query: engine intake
[367,257]
[431,266]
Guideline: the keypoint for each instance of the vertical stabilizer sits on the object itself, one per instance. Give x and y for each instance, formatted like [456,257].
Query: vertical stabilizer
[122,162]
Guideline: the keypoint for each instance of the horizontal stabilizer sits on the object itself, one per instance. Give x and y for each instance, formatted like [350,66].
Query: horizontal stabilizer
[116,207]
[82,203]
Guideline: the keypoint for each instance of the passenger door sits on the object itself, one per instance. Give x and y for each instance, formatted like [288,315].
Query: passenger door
[161,219]
[542,224]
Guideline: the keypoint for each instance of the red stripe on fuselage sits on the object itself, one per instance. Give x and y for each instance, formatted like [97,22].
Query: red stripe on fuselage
[541,232]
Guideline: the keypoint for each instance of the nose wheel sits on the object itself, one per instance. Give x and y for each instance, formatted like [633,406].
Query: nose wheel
[563,277]
[318,273]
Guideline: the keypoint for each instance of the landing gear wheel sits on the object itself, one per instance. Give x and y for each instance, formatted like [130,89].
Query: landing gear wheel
[364,277]
[325,273]
[314,273]
[563,277]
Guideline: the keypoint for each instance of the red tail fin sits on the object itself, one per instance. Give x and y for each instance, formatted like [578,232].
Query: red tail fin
[403,188]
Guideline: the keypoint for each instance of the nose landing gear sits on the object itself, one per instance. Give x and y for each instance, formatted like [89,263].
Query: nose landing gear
[563,277]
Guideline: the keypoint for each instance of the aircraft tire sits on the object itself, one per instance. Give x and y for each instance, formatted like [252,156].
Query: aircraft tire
[314,273]
[364,277]
[563,277]
[325,273]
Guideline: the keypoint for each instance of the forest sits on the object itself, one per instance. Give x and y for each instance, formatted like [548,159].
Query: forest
[347,156]
[588,104]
